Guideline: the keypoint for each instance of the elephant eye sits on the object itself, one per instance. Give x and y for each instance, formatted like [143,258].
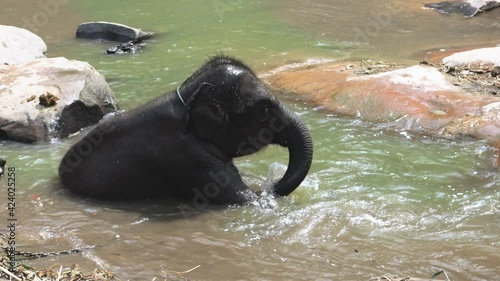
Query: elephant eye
[263,113]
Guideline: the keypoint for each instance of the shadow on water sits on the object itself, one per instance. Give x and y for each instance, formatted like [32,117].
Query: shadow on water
[149,209]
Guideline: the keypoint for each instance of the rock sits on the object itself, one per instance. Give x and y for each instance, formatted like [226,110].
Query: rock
[110,31]
[475,70]
[418,99]
[468,8]
[18,46]
[495,71]
[51,98]
[484,56]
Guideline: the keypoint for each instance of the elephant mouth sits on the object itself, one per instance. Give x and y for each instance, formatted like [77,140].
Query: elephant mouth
[280,141]
[256,143]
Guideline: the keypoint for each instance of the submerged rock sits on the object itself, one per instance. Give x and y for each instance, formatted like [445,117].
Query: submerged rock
[125,48]
[18,46]
[51,98]
[468,8]
[110,31]
[418,99]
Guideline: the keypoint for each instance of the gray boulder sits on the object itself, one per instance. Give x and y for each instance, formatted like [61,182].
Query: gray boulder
[18,46]
[468,8]
[110,31]
[51,98]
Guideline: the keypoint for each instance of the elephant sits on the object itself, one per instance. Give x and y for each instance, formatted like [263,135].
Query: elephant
[182,144]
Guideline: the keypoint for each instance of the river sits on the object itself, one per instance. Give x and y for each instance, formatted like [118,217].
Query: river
[375,201]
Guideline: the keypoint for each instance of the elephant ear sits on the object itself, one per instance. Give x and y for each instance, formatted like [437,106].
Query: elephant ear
[207,115]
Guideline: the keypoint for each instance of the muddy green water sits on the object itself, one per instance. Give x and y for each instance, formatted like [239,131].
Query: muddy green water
[374,203]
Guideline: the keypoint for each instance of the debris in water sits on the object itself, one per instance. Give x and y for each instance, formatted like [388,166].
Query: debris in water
[48,99]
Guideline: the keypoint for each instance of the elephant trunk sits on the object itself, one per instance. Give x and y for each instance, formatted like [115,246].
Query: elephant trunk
[300,148]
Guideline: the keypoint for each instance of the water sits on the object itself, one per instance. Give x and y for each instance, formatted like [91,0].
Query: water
[374,203]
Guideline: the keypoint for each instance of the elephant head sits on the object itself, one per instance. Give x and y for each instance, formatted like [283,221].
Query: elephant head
[229,107]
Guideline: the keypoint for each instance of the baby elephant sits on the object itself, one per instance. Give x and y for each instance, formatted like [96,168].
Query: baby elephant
[182,143]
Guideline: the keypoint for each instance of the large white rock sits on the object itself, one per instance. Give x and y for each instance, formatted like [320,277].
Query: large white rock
[477,56]
[18,46]
[83,98]
[417,99]
[417,77]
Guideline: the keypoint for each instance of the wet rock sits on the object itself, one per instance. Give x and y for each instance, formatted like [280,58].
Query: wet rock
[18,46]
[484,56]
[51,98]
[468,8]
[110,31]
[475,70]
[419,99]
